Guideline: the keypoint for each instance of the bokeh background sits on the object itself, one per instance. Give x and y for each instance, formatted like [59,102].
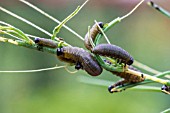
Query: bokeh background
[145,34]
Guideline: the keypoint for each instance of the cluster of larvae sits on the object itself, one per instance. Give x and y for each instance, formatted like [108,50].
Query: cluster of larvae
[85,60]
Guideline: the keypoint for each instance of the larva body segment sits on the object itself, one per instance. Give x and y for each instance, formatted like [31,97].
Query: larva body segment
[81,57]
[45,42]
[70,61]
[130,78]
[113,51]
[127,78]
[93,33]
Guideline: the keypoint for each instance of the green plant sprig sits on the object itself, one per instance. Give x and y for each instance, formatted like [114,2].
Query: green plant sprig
[106,83]
[16,33]
[166,111]
[50,17]
[25,44]
[160,9]
[57,28]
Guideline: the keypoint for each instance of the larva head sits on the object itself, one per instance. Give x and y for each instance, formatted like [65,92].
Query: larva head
[36,40]
[164,87]
[130,62]
[59,51]
[101,24]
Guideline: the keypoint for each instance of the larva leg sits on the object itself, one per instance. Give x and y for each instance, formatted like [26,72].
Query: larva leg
[111,88]
[78,66]
[118,61]
[39,47]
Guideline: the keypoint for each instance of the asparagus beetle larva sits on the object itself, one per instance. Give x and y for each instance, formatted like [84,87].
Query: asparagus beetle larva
[45,42]
[127,78]
[81,58]
[93,33]
[113,51]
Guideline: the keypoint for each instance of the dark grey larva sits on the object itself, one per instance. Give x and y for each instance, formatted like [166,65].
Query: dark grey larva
[93,33]
[113,51]
[80,57]
[45,42]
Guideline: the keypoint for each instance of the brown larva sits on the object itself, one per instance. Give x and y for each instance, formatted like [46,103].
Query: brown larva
[45,42]
[93,33]
[81,58]
[127,78]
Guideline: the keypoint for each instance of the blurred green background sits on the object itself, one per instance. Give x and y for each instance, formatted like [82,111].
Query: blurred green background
[145,35]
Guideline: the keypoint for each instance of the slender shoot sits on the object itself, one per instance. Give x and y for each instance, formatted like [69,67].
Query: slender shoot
[32,71]
[16,33]
[106,83]
[166,111]
[121,18]
[57,29]
[115,21]
[2,39]
[71,72]
[50,17]
[26,21]
[158,8]
[149,77]
[102,32]
[145,67]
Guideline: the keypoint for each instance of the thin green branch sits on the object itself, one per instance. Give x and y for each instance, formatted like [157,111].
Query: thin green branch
[57,28]
[149,77]
[145,67]
[100,82]
[115,21]
[114,67]
[147,88]
[102,32]
[26,21]
[50,17]
[15,33]
[123,17]
[166,111]
[19,32]
[14,36]
[32,71]
[28,45]
[2,39]
[162,74]
[158,8]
